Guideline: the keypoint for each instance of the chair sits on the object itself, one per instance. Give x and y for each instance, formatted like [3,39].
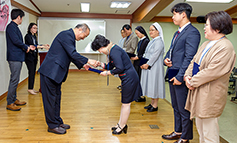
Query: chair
[232,81]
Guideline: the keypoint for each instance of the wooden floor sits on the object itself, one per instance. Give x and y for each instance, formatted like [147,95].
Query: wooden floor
[91,108]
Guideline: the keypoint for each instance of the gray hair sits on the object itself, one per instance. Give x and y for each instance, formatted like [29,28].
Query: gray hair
[83,26]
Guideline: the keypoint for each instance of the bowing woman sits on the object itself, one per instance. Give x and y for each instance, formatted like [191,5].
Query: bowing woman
[31,57]
[152,78]
[141,47]
[119,63]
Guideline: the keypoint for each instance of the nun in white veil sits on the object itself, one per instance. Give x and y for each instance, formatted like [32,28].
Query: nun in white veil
[152,77]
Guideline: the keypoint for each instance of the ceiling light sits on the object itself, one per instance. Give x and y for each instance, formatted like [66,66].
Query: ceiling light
[85,7]
[119,4]
[211,1]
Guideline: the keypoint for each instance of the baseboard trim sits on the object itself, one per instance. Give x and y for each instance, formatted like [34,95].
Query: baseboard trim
[19,85]
[222,140]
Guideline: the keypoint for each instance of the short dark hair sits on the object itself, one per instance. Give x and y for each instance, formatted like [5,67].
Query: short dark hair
[220,20]
[182,7]
[126,26]
[99,41]
[83,26]
[17,12]
[30,26]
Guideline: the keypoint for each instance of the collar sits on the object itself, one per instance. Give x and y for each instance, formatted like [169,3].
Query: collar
[143,38]
[14,23]
[182,28]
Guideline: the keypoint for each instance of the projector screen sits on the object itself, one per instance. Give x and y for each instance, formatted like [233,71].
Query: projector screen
[48,28]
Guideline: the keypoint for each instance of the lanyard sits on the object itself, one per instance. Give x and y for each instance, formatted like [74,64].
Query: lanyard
[207,49]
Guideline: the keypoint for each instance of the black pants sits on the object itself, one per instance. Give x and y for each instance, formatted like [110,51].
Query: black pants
[51,94]
[139,70]
[31,66]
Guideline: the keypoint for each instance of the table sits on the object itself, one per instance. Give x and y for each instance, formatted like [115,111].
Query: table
[233,98]
[42,55]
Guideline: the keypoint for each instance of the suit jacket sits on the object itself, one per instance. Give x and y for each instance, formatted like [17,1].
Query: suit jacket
[211,83]
[141,51]
[183,49]
[130,44]
[32,54]
[16,48]
[62,51]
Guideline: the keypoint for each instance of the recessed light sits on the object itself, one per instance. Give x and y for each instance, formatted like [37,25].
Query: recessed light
[119,4]
[85,7]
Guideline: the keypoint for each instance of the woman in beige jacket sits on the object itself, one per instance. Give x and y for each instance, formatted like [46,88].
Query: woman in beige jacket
[207,76]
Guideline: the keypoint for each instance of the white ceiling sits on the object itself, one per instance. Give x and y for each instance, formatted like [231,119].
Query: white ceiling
[96,6]
[102,6]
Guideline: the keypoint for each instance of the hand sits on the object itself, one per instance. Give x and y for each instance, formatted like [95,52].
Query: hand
[101,64]
[134,58]
[145,66]
[46,46]
[175,81]
[28,50]
[94,63]
[187,82]
[105,73]
[86,67]
[32,47]
[168,62]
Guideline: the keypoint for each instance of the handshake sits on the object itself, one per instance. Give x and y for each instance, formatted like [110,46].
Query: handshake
[33,47]
[95,63]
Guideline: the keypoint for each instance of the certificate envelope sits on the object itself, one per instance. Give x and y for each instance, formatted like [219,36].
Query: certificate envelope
[143,61]
[95,70]
[131,55]
[195,68]
[172,73]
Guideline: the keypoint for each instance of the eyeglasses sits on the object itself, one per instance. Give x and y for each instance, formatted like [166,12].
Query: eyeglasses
[35,28]
[205,25]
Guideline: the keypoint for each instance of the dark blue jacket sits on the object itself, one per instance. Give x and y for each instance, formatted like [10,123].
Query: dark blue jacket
[184,48]
[62,51]
[16,48]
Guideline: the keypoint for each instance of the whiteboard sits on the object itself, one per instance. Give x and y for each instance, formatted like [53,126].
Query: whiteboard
[48,29]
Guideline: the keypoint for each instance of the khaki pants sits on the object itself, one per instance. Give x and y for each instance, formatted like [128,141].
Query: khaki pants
[208,130]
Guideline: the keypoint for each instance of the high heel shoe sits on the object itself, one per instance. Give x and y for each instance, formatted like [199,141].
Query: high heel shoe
[125,128]
[114,128]
[31,91]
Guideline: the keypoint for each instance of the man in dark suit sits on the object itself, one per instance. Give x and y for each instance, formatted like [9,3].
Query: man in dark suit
[54,70]
[16,50]
[183,47]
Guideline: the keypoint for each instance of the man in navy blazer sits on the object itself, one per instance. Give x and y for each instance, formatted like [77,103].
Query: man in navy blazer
[16,50]
[183,47]
[54,70]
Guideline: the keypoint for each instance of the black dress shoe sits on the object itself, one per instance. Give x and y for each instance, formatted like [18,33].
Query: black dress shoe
[119,87]
[148,107]
[181,141]
[57,130]
[140,99]
[125,128]
[65,126]
[152,109]
[114,128]
[172,136]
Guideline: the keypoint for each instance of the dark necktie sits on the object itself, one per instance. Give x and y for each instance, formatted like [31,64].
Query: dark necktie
[171,47]
[176,36]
